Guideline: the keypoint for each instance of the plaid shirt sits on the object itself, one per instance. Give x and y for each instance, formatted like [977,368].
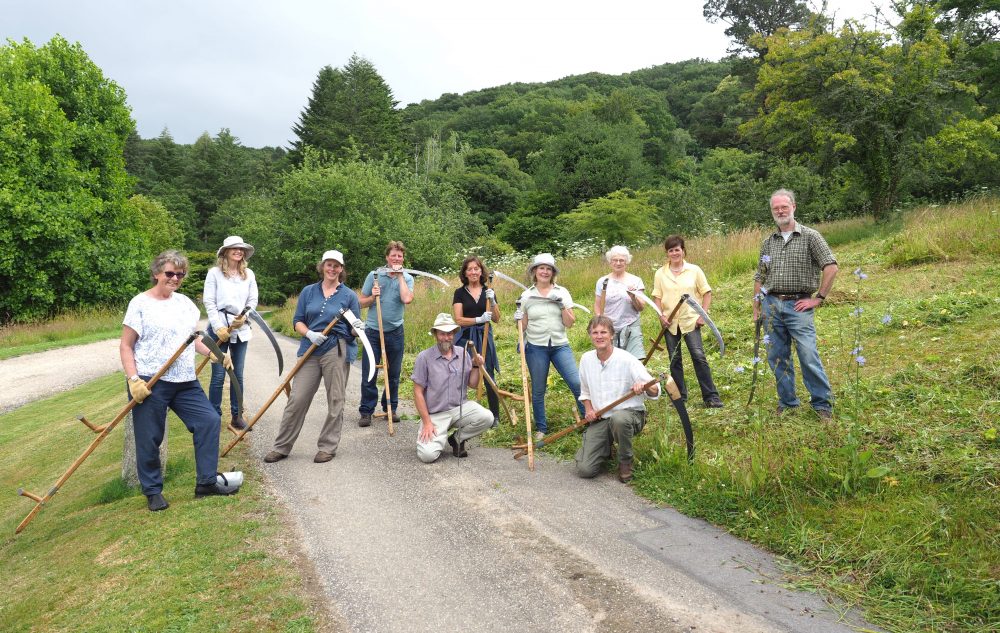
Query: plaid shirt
[795,266]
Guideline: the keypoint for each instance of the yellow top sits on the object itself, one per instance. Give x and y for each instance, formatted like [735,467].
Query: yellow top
[668,288]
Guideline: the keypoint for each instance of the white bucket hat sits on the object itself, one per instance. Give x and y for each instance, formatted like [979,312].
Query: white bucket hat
[336,256]
[235,241]
[443,322]
[545,259]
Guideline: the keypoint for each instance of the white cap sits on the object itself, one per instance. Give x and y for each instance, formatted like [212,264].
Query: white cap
[336,256]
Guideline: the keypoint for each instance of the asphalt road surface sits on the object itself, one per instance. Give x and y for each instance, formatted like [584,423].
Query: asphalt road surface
[481,544]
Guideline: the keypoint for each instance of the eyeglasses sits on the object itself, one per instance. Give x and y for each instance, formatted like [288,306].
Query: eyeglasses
[169,274]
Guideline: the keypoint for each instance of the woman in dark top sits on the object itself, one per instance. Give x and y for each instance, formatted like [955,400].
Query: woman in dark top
[469,309]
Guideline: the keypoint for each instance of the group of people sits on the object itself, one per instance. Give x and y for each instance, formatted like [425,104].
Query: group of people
[795,273]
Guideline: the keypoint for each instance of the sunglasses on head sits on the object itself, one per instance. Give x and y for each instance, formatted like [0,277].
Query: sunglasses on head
[171,274]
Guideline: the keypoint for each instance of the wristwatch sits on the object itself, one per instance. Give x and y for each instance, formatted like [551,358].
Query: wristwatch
[822,298]
[134,378]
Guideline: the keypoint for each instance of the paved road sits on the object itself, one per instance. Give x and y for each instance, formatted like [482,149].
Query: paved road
[482,544]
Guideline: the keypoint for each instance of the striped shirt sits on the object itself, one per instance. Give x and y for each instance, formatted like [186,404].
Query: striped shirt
[795,266]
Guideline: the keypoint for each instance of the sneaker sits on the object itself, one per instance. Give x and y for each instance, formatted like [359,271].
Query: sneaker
[322,457]
[539,436]
[625,472]
[365,419]
[274,456]
[714,403]
[209,490]
[824,414]
[156,502]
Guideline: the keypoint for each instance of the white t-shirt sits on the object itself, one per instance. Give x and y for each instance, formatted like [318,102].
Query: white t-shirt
[603,383]
[618,304]
[162,325]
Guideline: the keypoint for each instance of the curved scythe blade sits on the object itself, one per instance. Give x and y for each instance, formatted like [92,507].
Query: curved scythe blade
[359,329]
[386,270]
[647,300]
[694,305]
[234,381]
[259,320]
[510,279]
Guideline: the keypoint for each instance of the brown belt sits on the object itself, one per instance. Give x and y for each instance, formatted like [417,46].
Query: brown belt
[791,297]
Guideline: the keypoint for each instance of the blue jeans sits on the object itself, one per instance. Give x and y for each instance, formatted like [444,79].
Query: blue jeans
[238,352]
[538,358]
[696,348]
[149,418]
[785,325]
[394,352]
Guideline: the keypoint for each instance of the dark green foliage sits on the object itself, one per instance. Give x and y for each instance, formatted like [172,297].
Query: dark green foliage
[747,18]
[66,237]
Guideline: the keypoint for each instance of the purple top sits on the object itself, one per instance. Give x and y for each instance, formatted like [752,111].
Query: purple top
[442,378]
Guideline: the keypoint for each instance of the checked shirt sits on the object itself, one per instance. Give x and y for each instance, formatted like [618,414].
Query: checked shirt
[795,266]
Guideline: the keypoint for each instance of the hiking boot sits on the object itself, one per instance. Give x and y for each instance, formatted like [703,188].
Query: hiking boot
[365,419]
[395,417]
[323,457]
[714,403]
[539,436]
[625,472]
[274,456]
[238,423]
[156,502]
[458,450]
[216,488]
[824,414]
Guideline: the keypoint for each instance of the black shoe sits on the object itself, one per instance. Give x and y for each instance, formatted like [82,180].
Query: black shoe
[458,450]
[395,417]
[238,423]
[208,490]
[714,403]
[156,502]
[365,419]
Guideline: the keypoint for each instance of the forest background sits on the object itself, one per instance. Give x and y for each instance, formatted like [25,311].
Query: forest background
[857,120]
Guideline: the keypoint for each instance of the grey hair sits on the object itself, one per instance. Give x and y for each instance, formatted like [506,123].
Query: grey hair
[785,192]
[167,257]
[618,250]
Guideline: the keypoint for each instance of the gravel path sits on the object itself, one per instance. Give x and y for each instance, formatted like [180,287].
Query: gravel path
[481,544]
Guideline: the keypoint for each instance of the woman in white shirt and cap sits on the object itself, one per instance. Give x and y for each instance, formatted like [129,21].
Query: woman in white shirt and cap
[230,287]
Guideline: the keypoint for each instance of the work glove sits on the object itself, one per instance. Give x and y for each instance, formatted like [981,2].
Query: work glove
[518,314]
[238,322]
[490,295]
[227,361]
[138,389]
[316,338]
[222,334]
[564,303]
[485,317]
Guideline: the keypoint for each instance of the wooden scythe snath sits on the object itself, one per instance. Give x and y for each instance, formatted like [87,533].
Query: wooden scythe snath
[383,364]
[524,389]
[655,347]
[282,387]
[102,433]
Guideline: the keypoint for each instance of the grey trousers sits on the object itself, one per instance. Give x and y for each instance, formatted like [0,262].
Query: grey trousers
[333,367]
[598,436]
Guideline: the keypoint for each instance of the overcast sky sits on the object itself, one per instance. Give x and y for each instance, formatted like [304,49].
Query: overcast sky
[202,65]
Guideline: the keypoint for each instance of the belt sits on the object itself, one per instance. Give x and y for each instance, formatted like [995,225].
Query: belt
[791,297]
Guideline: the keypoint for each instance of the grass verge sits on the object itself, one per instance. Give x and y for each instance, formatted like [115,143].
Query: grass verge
[94,559]
[72,328]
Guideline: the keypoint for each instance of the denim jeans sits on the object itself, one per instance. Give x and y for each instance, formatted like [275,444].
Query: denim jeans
[394,352]
[238,353]
[696,348]
[784,325]
[538,358]
[149,418]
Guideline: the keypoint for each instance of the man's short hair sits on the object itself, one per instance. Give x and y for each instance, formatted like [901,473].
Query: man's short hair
[601,320]
[785,192]
[395,245]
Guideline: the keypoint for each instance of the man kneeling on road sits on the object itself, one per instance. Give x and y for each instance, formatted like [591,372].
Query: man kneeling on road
[442,375]
[606,374]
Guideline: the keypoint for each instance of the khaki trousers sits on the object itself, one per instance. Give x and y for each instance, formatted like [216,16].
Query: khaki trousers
[333,367]
[474,421]
[598,436]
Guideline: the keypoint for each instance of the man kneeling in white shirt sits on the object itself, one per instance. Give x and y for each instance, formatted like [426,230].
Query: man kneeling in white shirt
[606,374]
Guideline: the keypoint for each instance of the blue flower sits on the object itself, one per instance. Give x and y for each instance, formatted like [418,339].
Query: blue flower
[856,350]
[765,259]
[859,274]
[861,361]
[756,359]
[739,369]
[767,339]
[887,319]
[857,311]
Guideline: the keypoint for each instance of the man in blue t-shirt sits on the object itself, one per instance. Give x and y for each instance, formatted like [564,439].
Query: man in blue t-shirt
[395,290]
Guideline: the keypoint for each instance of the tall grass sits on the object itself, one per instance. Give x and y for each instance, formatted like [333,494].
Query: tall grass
[83,325]
[954,232]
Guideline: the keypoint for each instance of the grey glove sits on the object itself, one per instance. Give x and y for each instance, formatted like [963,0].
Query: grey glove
[316,338]
[518,314]
[485,317]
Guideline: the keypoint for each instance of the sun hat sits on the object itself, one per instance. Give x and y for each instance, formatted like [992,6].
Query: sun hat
[443,322]
[235,241]
[336,256]
[545,259]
